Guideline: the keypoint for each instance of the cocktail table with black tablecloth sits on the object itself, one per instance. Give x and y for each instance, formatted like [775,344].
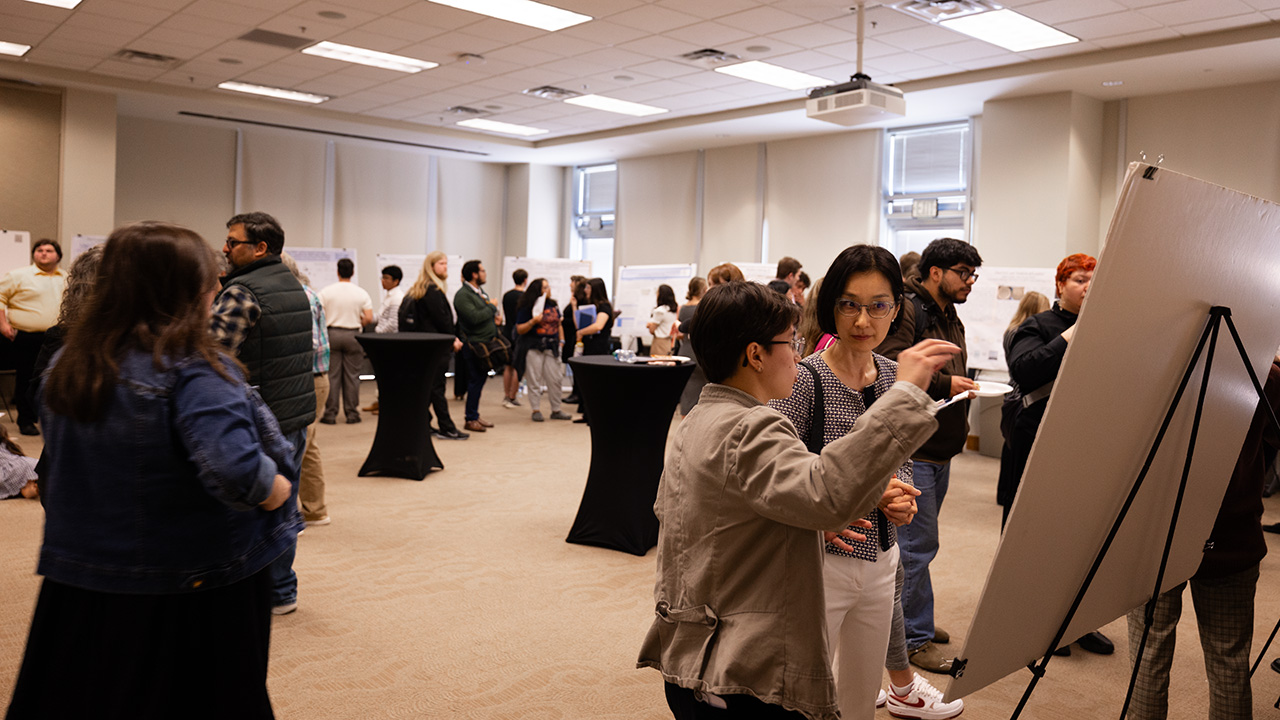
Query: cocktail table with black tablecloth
[403,363]
[630,407]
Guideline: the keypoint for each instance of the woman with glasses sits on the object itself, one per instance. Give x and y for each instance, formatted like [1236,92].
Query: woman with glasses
[742,503]
[858,303]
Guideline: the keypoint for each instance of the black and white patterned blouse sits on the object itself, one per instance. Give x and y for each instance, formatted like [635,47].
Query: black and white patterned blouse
[843,407]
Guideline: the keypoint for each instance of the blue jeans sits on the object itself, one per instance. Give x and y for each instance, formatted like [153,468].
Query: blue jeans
[284,581]
[477,374]
[919,544]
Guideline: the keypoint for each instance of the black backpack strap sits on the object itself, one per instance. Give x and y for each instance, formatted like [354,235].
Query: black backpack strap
[921,317]
[817,416]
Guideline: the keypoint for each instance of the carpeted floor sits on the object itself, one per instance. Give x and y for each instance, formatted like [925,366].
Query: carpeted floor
[457,597]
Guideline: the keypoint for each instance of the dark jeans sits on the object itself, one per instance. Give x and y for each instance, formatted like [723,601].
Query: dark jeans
[685,705]
[477,373]
[439,403]
[284,582]
[26,346]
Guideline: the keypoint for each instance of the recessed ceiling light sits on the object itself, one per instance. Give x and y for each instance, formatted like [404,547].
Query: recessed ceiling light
[613,105]
[525,12]
[372,58]
[1112,83]
[279,93]
[332,15]
[770,74]
[230,61]
[14,49]
[68,4]
[623,78]
[492,107]
[1009,30]
[758,48]
[501,127]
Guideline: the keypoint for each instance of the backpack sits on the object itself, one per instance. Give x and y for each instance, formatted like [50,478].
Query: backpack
[410,319]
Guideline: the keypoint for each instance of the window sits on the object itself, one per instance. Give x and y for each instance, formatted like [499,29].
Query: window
[595,200]
[926,184]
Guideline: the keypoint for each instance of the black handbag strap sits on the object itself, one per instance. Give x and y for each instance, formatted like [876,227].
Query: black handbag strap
[817,416]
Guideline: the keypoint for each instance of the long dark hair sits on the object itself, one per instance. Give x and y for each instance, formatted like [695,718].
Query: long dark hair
[531,294]
[667,296]
[599,296]
[150,295]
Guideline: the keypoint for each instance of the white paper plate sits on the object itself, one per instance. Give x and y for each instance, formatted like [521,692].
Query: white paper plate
[987,388]
[666,358]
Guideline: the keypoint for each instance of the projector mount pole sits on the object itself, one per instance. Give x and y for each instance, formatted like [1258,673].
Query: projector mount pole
[862,25]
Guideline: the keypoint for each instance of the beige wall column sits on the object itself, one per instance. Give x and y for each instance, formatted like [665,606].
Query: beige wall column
[87,203]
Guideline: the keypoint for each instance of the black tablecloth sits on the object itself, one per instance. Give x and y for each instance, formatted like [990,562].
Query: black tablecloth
[630,407]
[402,363]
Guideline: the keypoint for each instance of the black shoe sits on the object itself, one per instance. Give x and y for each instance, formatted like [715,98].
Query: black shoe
[1275,664]
[1272,528]
[572,400]
[353,420]
[1096,643]
[28,429]
[1064,651]
[581,421]
[328,421]
[452,435]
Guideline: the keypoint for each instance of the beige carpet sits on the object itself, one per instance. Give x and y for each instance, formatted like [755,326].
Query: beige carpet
[457,597]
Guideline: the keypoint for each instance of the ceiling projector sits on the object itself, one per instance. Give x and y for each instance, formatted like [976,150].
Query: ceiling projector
[856,102]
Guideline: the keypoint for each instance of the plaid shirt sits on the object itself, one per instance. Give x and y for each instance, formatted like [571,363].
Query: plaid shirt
[234,312]
[319,332]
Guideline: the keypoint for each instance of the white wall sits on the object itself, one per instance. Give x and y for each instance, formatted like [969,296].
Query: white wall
[657,210]
[380,205]
[87,203]
[733,206]
[471,221]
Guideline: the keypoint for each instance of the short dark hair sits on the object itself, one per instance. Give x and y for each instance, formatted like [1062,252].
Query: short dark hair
[852,261]
[520,275]
[47,241]
[394,272]
[730,317]
[346,268]
[260,227]
[945,252]
[786,266]
[470,268]
[779,286]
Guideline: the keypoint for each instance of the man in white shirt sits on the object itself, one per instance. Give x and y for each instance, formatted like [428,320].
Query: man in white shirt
[389,312]
[30,298]
[347,308]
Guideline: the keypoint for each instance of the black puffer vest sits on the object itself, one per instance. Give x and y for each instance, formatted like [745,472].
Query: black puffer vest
[277,349]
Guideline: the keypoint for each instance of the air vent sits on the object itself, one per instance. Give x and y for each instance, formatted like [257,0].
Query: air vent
[938,10]
[139,57]
[549,92]
[709,58]
[463,110]
[275,39]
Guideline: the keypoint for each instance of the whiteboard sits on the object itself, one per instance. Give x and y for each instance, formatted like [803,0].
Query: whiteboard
[411,265]
[992,304]
[557,271]
[320,265]
[79,244]
[758,272]
[15,250]
[1176,247]
[636,294]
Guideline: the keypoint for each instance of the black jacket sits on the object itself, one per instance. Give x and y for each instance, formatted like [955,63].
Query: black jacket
[429,313]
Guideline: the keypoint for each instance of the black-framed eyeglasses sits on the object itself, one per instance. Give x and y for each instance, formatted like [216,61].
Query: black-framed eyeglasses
[797,344]
[965,275]
[878,310]
[231,244]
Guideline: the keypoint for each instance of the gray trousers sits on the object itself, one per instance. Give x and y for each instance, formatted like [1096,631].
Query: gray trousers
[1224,614]
[345,356]
[896,657]
[543,369]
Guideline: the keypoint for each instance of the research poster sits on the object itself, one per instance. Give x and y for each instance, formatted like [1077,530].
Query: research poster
[15,249]
[320,265]
[992,304]
[636,294]
[79,244]
[757,272]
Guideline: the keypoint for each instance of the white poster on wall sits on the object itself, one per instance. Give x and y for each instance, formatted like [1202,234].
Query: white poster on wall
[79,244]
[320,265]
[758,272]
[15,250]
[992,304]
[557,271]
[411,265]
[637,292]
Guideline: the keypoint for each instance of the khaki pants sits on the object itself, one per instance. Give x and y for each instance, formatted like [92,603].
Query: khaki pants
[311,490]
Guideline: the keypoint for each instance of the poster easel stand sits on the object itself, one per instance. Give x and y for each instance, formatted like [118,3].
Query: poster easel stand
[1217,315]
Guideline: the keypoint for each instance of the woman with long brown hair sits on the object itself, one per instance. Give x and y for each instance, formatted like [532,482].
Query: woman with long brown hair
[165,502]
[426,308]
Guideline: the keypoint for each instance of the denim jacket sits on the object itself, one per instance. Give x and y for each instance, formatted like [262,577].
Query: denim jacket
[161,494]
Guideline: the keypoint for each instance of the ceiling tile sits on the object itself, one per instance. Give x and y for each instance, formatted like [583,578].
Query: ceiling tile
[521,55]
[355,16]
[507,32]
[764,20]
[653,18]
[816,35]
[132,71]
[244,50]
[776,48]
[1109,25]
[880,20]
[659,46]
[599,8]
[127,11]
[54,58]
[88,36]
[401,29]
[870,49]
[113,26]
[451,43]
[391,113]
[1255,18]
[709,8]
[219,10]
[603,32]
[963,50]
[456,73]
[1053,12]
[194,43]
[698,99]
[17,28]
[925,36]
[821,13]
[665,69]
[804,61]
[1005,58]
[541,75]
[612,57]
[1137,38]
[575,68]
[933,71]
[1273,14]
[1189,11]
[561,46]
[1140,3]
[708,34]
[34,11]
[902,62]
[711,80]
[302,27]
[1264,4]
[1058,51]
[433,15]
[377,7]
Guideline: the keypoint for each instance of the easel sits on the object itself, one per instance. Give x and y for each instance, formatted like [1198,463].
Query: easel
[1209,336]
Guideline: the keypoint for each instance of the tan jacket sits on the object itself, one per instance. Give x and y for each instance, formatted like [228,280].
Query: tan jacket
[741,503]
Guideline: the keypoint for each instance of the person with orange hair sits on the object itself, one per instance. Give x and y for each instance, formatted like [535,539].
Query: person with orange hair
[1035,357]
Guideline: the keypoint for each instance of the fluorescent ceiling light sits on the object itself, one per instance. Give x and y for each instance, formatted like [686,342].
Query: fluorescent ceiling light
[14,49]
[525,12]
[763,72]
[273,92]
[373,58]
[613,105]
[1009,30]
[68,4]
[501,127]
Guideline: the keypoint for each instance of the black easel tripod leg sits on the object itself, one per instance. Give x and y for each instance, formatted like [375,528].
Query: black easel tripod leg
[1149,615]
[1037,670]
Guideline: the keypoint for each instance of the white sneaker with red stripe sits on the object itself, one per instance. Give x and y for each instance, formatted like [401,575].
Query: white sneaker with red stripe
[924,702]
[882,698]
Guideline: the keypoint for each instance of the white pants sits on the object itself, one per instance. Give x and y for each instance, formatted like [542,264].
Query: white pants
[859,596]
[543,368]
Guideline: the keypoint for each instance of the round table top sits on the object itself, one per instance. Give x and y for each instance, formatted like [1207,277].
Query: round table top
[402,337]
[610,361]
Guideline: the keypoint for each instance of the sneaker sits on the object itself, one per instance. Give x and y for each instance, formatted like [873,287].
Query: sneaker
[454,434]
[929,657]
[285,609]
[537,416]
[558,415]
[923,702]
[509,403]
[319,521]
[882,698]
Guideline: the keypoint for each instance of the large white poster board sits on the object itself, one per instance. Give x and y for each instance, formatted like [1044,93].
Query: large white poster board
[15,250]
[757,272]
[411,265]
[79,244]
[557,271]
[320,265]
[1176,247]
[637,291]
[990,307]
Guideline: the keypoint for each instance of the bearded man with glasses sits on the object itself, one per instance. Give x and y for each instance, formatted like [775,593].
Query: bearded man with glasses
[944,277]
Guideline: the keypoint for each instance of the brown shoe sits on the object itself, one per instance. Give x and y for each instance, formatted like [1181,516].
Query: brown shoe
[474,426]
[940,636]
[485,423]
[372,408]
[929,657]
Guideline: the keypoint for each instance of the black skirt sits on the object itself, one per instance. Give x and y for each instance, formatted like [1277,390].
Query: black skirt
[106,655]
